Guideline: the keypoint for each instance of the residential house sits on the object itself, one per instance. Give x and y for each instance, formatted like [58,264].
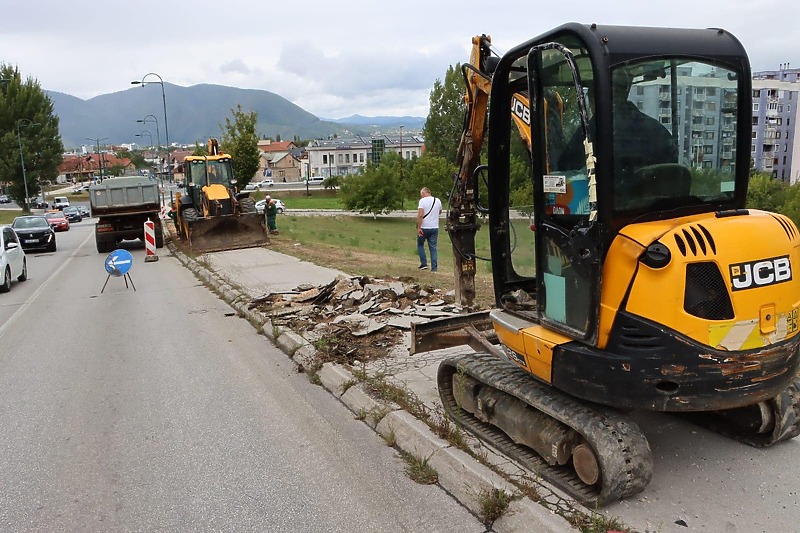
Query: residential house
[340,157]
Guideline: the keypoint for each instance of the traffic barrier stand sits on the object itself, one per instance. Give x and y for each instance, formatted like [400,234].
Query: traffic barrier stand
[150,241]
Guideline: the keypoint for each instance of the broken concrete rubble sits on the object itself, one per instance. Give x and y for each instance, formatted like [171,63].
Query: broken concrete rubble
[356,315]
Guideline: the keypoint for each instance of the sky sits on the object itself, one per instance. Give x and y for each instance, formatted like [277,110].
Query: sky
[334,58]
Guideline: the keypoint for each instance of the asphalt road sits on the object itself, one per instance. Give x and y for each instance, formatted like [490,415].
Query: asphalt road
[159,409]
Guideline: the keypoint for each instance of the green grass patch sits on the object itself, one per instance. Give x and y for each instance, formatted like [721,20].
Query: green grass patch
[7,215]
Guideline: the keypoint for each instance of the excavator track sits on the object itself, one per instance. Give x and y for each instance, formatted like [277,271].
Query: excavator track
[783,411]
[620,448]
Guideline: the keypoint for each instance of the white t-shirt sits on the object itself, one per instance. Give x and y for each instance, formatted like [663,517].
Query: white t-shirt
[431,221]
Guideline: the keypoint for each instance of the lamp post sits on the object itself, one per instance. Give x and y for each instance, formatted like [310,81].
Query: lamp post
[22,159]
[401,152]
[147,132]
[97,151]
[158,140]
[166,124]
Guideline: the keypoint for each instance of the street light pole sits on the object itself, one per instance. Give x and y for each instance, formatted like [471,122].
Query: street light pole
[158,140]
[146,132]
[401,152]
[166,123]
[22,159]
[97,151]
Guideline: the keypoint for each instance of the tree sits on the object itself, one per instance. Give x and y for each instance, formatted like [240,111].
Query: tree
[765,193]
[433,172]
[443,127]
[241,142]
[376,191]
[27,125]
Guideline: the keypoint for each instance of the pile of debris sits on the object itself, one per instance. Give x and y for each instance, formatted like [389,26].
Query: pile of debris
[356,317]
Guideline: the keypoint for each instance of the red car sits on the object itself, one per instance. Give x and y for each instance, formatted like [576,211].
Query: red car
[57,220]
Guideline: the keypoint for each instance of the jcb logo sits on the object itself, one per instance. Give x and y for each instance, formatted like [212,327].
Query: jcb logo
[521,109]
[761,273]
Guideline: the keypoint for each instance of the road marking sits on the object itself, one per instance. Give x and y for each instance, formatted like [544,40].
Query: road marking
[38,291]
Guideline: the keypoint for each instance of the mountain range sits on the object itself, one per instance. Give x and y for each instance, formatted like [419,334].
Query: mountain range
[198,112]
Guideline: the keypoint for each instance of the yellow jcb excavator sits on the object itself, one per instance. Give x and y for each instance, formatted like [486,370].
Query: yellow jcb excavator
[643,282]
[211,215]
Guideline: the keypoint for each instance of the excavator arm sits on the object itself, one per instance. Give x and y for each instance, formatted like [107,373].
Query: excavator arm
[462,219]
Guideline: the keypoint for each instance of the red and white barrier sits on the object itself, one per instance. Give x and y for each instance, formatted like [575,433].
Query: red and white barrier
[150,241]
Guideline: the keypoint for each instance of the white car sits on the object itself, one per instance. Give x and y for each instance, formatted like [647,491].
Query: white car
[13,263]
[266,183]
[261,203]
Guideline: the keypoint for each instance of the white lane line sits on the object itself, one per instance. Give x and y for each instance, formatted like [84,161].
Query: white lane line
[38,291]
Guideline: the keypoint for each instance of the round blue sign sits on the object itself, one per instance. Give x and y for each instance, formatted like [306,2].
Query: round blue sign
[119,262]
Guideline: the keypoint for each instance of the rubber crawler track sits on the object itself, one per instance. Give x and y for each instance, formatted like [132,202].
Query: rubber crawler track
[621,448]
[785,409]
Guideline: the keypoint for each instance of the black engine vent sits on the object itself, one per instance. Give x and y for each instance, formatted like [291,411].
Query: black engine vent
[706,295]
[787,225]
[697,240]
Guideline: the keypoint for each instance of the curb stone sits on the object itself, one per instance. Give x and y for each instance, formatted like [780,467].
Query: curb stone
[411,435]
[359,402]
[333,377]
[462,476]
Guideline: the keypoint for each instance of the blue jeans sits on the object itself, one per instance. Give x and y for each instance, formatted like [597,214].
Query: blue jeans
[432,236]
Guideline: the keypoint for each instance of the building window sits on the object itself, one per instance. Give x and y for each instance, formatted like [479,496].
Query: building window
[708,135]
[755,135]
[752,148]
[755,106]
[639,90]
[361,158]
[755,121]
[324,159]
[756,93]
[347,158]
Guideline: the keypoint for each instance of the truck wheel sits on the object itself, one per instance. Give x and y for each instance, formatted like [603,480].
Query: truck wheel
[190,214]
[247,205]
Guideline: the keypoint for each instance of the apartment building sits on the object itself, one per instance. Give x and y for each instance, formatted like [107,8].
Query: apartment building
[340,157]
[775,117]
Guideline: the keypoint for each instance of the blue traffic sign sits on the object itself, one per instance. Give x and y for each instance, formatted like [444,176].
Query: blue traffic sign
[118,263]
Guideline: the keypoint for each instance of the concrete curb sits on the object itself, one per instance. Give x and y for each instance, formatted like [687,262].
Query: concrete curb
[461,475]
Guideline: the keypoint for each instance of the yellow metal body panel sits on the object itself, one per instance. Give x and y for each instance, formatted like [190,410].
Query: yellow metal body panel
[534,345]
[755,247]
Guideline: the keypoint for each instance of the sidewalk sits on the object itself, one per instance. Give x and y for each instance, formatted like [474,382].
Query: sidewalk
[245,277]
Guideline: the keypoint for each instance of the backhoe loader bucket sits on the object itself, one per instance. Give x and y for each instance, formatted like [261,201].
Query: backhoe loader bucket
[226,232]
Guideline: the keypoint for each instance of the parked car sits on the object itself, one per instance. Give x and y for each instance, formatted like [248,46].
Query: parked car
[72,213]
[38,203]
[315,180]
[4,199]
[13,263]
[262,203]
[81,188]
[266,183]
[57,220]
[60,202]
[251,187]
[34,232]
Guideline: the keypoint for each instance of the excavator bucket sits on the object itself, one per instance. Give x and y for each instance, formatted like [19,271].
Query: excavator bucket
[227,232]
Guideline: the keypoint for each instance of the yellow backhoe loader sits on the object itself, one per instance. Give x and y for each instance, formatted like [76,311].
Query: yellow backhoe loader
[211,215]
[641,281]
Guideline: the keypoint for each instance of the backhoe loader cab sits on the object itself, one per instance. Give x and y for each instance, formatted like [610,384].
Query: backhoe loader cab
[642,282]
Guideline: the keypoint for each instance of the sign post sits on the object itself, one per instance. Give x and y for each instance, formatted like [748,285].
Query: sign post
[117,264]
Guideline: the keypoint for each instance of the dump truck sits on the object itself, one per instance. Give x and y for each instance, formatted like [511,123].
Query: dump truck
[212,214]
[641,280]
[122,206]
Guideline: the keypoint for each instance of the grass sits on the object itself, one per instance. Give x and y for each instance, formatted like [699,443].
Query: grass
[419,470]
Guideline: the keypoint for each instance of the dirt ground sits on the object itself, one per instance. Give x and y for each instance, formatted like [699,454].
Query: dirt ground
[360,262]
